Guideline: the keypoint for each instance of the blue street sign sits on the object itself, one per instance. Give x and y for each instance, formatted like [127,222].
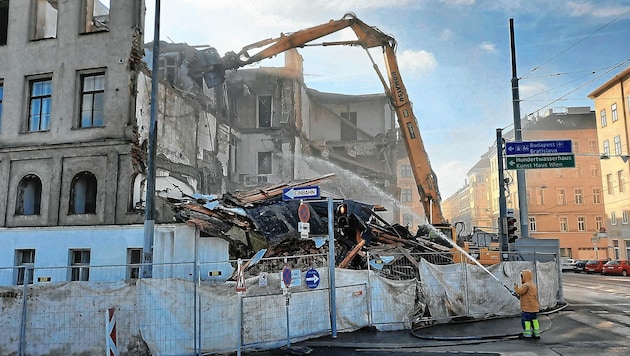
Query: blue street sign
[311,192]
[312,278]
[538,147]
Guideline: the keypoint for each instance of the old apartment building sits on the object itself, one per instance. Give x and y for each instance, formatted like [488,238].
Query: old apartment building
[612,108]
[75,103]
[563,203]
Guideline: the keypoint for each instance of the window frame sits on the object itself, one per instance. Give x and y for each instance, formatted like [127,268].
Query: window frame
[42,16]
[21,207]
[581,223]
[406,195]
[532,223]
[617,143]
[613,112]
[597,196]
[90,192]
[621,181]
[44,100]
[79,270]
[405,171]
[29,264]
[578,194]
[95,95]
[4,20]
[90,13]
[602,118]
[133,266]
[606,145]
[564,224]
[260,167]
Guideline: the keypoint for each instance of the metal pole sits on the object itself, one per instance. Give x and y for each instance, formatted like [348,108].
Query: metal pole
[518,136]
[149,221]
[331,270]
[22,350]
[502,203]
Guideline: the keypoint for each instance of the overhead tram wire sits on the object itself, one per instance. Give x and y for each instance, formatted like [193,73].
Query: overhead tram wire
[576,43]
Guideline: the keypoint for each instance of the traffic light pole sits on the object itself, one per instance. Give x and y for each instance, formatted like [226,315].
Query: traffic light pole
[502,202]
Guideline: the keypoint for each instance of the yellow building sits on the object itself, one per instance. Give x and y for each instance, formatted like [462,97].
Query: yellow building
[612,107]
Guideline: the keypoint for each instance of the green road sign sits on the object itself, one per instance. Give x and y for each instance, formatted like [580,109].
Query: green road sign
[536,162]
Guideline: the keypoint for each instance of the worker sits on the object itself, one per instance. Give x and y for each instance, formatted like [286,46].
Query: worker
[527,292]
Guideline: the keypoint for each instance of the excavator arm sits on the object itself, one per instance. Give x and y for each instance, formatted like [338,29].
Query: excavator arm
[367,37]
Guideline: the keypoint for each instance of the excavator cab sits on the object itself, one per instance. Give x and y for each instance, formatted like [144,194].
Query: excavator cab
[214,73]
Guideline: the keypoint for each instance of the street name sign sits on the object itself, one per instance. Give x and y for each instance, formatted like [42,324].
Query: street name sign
[538,147]
[536,162]
[311,192]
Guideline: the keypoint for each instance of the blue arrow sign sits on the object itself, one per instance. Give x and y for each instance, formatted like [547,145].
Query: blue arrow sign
[311,192]
[538,147]
[312,278]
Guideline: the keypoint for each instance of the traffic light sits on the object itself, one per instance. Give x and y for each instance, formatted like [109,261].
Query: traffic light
[341,216]
[511,229]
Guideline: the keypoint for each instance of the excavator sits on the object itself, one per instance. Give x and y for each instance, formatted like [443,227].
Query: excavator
[367,37]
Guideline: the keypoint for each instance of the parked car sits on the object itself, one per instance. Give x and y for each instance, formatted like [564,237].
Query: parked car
[621,267]
[594,266]
[579,266]
[567,264]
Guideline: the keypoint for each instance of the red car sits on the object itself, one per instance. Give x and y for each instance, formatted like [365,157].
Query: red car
[594,266]
[617,267]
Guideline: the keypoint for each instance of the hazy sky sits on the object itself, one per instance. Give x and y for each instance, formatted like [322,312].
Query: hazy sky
[454,57]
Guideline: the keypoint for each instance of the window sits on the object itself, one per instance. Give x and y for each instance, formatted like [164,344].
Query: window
[1,96]
[576,146]
[92,100]
[29,196]
[532,224]
[613,112]
[617,140]
[139,192]
[561,197]
[408,220]
[599,223]
[609,184]
[405,171]
[579,196]
[349,126]
[621,180]
[592,146]
[40,101]
[613,218]
[80,265]
[96,15]
[134,259]
[597,196]
[564,224]
[264,111]
[594,170]
[83,194]
[24,259]
[405,195]
[264,162]
[4,21]
[606,148]
[624,217]
[540,199]
[581,221]
[602,116]
[45,19]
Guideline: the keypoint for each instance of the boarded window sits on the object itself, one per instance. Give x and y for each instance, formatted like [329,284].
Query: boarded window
[264,163]
[4,21]
[29,196]
[264,111]
[40,103]
[45,19]
[83,194]
[92,100]
[348,126]
[96,14]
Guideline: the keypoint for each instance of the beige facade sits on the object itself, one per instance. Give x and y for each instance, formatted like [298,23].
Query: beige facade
[612,108]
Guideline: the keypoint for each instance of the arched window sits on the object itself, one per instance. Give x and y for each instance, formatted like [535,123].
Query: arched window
[138,192]
[29,196]
[83,194]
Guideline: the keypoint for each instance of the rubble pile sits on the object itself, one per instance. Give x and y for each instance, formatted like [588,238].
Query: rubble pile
[260,219]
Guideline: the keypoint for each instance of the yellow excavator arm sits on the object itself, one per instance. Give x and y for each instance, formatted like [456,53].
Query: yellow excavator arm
[367,37]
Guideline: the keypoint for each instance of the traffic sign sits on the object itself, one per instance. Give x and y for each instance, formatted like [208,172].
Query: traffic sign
[312,278]
[304,212]
[538,147]
[286,276]
[311,192]
[536,162]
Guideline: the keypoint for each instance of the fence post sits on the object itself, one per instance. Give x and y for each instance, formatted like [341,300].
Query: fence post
[22,350]
[369,289]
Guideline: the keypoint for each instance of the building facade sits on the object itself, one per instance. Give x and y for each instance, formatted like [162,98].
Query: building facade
[612,108]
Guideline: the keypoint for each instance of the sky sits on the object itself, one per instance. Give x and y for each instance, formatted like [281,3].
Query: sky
[454,57]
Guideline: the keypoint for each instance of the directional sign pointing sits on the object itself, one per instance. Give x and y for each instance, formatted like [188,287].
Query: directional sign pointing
[312,278]
[311,192]
[538,147]
[537,162]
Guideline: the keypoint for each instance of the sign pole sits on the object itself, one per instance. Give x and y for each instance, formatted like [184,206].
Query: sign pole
[331,270]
